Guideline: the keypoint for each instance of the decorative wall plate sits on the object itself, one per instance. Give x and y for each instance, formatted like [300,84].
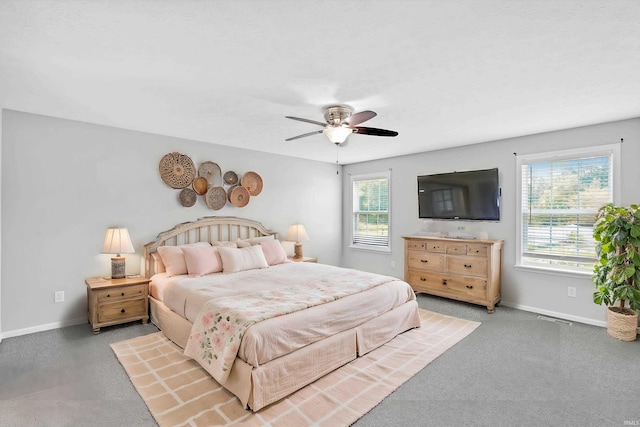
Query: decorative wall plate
[252,182]
[177,170]
[187,197]
[200,185]
[238,196]
[212,172]
[230,177]
[216,198]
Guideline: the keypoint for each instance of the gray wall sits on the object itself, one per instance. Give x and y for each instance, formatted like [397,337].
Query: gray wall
[539,292]
[65,182]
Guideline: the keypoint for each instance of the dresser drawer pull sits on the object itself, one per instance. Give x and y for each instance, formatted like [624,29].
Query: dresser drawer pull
[122,311]
[444,282]
[108,295]
[469,286]
[424,260]
[467,266]
[423,279]
[122,293]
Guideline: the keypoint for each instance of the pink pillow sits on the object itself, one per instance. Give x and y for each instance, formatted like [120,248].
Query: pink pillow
[173,258]
[202,260]
[273,252]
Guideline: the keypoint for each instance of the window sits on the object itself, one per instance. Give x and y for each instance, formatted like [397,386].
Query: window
[370,211]
[560,194]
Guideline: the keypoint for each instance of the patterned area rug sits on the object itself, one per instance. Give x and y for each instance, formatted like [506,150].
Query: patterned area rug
[179,392]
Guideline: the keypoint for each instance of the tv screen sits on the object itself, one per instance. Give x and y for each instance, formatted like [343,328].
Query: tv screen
[470,195]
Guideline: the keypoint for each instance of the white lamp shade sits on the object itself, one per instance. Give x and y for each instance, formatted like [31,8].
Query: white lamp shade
[337,134]
[117,241]
[297,233]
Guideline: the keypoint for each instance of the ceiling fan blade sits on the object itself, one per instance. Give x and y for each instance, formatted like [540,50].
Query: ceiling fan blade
[374,131]
[307,121]
[303,135]
[360,117]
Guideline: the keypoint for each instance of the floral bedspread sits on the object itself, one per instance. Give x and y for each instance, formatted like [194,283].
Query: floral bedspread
[216,335]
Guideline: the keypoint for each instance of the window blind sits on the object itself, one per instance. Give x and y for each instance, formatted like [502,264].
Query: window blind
[371,211]
[560,198]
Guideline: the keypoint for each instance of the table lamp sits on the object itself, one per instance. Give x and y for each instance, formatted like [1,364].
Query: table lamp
[117,241]
[297,234]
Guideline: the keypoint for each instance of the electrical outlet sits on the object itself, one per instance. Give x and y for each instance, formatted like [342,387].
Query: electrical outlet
[59,296]
[571,291]
[393,264]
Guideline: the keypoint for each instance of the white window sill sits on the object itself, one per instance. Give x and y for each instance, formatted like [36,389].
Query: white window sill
[554,271]
[371,248]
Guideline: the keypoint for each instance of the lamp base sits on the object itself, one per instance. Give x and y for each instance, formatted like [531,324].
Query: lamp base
[117,267]
[297,250]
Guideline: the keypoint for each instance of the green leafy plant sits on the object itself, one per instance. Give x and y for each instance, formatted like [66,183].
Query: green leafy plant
[616,273]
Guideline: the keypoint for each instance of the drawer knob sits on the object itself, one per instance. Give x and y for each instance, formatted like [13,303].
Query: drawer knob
[122,293]
[424,260]
[469,286]
[122,311]
[467,266]
[108,295]
[423,279]
[444,282]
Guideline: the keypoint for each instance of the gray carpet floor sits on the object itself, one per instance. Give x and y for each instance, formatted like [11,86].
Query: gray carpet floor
[514,370]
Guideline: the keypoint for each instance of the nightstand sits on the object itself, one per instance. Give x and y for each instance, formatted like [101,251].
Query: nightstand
[304,259]
[115,301]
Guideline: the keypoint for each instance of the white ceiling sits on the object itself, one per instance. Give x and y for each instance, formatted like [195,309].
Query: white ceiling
[441,73]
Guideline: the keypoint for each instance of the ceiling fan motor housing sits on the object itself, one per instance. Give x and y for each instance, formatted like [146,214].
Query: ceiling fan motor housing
[337,114]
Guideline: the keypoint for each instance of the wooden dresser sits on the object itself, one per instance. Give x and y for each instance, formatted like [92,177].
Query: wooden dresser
[465,270]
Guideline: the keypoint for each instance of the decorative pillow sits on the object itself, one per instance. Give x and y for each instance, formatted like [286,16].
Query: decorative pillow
[158,265]
[202,260]
[225,244]
[273,252]
[288,247]
[243,243]
[240,259]
[173,258]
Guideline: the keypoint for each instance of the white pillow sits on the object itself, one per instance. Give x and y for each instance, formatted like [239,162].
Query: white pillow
[240,259]
[173,258]
[288,247]
[273,252]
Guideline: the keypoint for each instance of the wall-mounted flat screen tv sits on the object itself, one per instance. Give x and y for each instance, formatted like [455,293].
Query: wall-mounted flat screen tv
[471,195]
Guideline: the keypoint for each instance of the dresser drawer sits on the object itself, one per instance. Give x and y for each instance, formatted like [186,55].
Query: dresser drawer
[472,287]
[436,246]
[473,266]
[119,293]
[426,261]
[121,310]
[456,249]
[477,250]
[415,244]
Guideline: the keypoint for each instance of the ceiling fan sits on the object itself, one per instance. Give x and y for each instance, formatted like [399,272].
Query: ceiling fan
[341,122]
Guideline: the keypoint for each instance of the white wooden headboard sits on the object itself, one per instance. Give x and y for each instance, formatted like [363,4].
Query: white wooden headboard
[206,229]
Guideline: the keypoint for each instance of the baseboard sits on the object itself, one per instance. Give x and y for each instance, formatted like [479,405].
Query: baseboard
[42,328]
[558,315]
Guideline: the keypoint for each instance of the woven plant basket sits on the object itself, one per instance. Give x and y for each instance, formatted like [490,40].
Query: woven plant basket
[622,323]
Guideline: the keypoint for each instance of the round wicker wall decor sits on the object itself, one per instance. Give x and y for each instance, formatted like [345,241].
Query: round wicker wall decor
[177,170]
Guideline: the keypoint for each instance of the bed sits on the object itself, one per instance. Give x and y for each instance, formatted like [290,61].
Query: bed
[341,313]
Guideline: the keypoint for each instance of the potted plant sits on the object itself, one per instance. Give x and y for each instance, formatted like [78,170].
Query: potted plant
[616,273]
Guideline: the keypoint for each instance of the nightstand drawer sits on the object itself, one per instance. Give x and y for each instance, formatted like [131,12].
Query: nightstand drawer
[119,293]
[121,310]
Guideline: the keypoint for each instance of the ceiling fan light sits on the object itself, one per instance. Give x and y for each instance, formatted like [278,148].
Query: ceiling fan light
[337,134]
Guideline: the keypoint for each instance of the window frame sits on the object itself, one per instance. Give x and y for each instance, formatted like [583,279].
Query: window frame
[612,150]
[365,177]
